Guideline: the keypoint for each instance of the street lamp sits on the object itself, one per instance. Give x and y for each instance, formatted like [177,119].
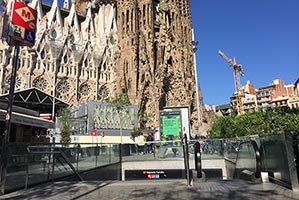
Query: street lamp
[56,48]
[196,83]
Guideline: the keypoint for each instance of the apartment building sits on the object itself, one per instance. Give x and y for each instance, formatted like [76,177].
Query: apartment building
[270,96]
[294,100]
[264,97]
[249,102]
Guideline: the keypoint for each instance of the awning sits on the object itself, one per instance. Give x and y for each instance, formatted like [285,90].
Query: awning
[18,118]
[35,99]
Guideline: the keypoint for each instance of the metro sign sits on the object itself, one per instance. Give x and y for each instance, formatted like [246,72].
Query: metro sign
[25,18]
[25,13]
[22,26]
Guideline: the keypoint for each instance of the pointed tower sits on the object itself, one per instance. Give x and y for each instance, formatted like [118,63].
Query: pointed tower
[66,4]
[94,50]
[156,66]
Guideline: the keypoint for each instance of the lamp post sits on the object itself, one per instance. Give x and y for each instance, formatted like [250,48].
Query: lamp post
[53,100]
[56,48]
[196,83]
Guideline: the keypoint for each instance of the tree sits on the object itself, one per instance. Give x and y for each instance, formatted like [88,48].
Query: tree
[135,133]
[120,103]
[65,121]
[144,118]
[276,120]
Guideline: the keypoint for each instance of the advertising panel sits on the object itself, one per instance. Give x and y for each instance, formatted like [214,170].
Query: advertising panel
[170,124]
[185,119]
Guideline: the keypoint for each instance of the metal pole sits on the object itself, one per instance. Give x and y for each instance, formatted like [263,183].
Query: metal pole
[27,171]
[52,82]
[52,156]
[110,152]
[121,128]
[52,146]
[196,85]
[6,136]
[53,106]
[197,157]
[96,152]
[186,159]
[101,144]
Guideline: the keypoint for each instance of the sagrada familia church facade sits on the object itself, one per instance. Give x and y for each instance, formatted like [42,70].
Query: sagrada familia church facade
[93,50]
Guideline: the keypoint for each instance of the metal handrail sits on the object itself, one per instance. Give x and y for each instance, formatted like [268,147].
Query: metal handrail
[70,164]
[41,152]
[197,157]
[51,151]
[186,158]
[257,157]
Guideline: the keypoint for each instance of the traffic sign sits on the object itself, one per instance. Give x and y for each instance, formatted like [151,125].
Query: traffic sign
[24,16]
[22,23]
[94,132]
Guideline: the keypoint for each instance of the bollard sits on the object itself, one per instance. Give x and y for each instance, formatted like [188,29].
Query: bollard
[186,159]
[197,156]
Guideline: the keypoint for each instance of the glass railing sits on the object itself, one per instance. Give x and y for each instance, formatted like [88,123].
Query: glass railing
[248,160]
[157,150]
[275,159]
[44,164]
[169,150]
[268,155]
[231,146]
[31,164]
[16,167]
[209,148]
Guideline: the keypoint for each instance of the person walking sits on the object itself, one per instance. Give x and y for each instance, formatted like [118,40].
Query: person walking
[141,143]
[149,142]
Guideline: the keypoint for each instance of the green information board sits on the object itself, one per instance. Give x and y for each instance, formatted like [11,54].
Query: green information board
[170,123]
[171,126]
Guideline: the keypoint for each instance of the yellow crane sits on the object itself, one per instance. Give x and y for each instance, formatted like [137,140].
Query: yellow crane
[237,72]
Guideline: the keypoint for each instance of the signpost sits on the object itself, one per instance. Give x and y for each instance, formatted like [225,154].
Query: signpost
[20,31]
[21,24]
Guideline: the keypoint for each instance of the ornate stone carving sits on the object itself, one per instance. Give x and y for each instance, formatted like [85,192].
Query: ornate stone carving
[40,83]
[143,48]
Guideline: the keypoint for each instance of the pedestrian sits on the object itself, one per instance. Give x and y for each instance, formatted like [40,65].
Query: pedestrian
[141,143]
[149,142]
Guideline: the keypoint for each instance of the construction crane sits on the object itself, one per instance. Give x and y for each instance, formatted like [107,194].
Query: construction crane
[237,72]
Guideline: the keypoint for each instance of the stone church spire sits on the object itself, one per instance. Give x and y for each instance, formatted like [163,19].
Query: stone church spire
[142,48]
[54,15]
[66,4]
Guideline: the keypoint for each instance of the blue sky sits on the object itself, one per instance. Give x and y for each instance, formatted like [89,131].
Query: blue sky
[263,35]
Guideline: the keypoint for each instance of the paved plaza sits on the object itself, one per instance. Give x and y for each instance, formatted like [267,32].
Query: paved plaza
[153,190]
